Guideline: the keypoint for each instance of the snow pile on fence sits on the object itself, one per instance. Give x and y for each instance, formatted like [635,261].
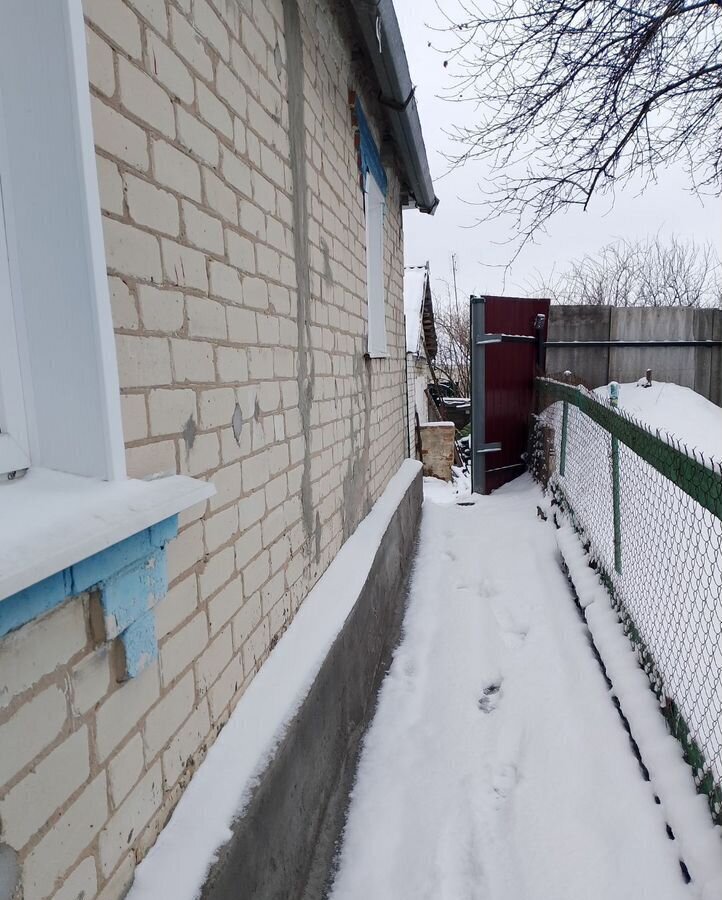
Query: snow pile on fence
[675,411]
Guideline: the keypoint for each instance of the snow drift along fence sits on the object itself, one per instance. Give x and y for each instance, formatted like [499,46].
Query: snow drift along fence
[649,511]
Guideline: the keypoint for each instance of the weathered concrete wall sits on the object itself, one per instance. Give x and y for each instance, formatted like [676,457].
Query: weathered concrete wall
[580,323]
[283,846]
[715,377]
[699,368]
[437,449]
[707,363]
[675,364]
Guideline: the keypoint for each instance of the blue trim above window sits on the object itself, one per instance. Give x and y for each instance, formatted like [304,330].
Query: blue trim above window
[370,156]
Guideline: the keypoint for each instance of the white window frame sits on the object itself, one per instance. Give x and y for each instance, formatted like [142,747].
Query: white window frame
[14,446]
[59,389]
[375,208]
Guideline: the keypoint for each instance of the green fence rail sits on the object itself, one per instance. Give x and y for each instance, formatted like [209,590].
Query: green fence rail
[702,481]
[650,512]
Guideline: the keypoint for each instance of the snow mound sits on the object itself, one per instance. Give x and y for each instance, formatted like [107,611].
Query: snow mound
[676,411]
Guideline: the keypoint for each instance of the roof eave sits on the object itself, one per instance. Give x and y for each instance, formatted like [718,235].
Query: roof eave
[379,30]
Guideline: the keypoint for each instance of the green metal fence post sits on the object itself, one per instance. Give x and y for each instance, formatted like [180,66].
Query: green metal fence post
[565,424]
[614,402]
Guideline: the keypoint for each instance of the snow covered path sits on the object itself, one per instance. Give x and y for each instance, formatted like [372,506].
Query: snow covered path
[496,767]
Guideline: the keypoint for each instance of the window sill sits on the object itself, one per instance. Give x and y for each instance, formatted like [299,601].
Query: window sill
[50,520]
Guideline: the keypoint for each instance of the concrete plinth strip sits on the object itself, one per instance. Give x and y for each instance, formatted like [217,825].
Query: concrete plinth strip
[284,844]
[262,815]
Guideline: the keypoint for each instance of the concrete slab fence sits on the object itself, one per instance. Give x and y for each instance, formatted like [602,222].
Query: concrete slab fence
[699,368]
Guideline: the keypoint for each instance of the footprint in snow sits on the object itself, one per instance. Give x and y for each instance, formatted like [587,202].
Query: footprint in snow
[505,780]
[490,697]
[513,632]
[486,589]
[514,637]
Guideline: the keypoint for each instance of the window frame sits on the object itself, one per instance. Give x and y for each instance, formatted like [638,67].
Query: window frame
[59,384]
[375,212]
[374,185]
[14,445]
[60,370]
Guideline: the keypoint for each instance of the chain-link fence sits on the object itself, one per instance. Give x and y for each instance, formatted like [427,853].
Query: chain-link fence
[650,512]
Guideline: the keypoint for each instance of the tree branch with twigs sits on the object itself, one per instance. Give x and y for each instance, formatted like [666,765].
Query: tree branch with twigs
[576,98]
[453,357]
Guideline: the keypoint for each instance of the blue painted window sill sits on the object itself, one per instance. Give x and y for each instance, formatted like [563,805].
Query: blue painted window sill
[61,535]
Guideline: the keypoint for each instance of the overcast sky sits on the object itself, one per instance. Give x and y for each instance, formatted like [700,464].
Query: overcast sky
[666,207]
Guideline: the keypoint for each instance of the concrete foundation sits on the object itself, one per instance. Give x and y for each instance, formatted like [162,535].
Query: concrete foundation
[283,846]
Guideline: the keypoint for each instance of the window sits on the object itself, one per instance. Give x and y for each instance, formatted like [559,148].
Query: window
[59,395]
[373,180]
[375,204]
[14,451]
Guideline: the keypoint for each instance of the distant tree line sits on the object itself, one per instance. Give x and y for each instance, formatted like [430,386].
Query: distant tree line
[648,272]
[453,359]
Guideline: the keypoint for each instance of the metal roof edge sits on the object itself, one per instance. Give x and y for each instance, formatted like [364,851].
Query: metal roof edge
[379,30]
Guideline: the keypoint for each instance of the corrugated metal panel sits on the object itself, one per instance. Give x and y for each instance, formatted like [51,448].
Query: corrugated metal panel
[509,382]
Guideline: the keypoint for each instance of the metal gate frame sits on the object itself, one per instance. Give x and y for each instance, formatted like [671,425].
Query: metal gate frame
[479,341]
[478,396]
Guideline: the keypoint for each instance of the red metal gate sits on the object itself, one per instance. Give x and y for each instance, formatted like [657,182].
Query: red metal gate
[508,335]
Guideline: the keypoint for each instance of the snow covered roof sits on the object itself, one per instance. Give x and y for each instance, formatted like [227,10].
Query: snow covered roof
[419,310]
[414,291]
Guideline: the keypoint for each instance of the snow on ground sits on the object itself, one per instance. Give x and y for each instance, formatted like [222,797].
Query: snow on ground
[686,811]
[676,411]
[496,767]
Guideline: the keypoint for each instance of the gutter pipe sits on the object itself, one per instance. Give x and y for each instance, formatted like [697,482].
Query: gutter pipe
[381,36]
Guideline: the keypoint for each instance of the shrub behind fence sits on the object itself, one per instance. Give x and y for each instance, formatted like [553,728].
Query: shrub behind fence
[650,512]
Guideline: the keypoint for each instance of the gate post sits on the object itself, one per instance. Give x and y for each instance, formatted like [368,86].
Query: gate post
[478,395]
[616,505]
[565,428]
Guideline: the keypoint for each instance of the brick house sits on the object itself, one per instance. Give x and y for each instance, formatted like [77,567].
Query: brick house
[421,342]
[202,382]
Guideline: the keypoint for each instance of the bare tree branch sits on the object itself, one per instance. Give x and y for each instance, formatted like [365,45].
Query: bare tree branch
[575,98]
[453,359]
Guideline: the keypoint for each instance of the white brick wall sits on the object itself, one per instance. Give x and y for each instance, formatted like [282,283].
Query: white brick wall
[125,769]
[132,816]
[122,711]
[29,730]
[62,845]
[38,649]
[191,128]
[34,800]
